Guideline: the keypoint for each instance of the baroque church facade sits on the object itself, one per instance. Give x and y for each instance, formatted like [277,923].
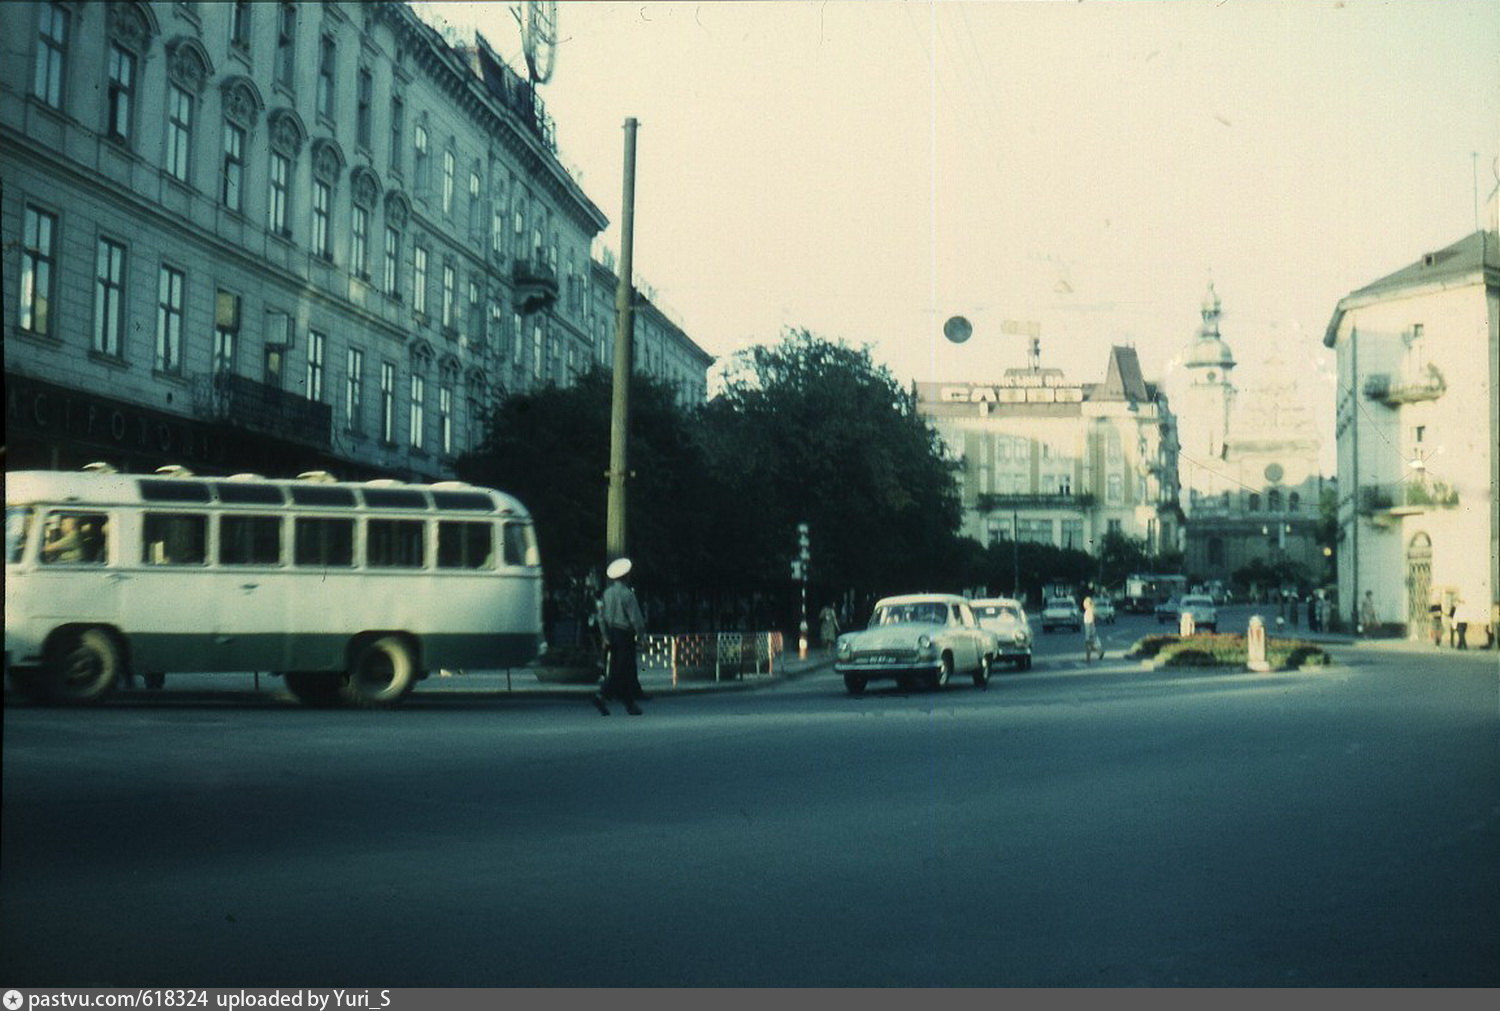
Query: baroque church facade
[1248,467]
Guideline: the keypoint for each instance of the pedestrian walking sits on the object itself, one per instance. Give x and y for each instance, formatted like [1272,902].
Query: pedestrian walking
[1435,616]
[1091,643]
[1453,635]
[1367,613]
[622,621]
[828,623]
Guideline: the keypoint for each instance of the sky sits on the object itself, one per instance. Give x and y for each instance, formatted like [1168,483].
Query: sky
[867,169]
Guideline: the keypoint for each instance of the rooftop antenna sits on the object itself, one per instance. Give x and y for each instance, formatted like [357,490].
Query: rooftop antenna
[539,38]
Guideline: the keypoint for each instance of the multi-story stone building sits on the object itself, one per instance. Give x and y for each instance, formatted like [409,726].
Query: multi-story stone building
[1248,463]
[1419,438]
[281,236]
[1052,460]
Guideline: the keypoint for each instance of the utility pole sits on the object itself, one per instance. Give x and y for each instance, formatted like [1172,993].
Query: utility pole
[619,456]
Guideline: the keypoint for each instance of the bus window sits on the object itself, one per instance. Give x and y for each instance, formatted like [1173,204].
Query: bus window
[465,545]
[174,539]
[73,538]
[393,544]
[250,540]
[323,543]
[520,545]
[17,528]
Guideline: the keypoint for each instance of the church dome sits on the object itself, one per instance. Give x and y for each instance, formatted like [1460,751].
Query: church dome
[1209,349]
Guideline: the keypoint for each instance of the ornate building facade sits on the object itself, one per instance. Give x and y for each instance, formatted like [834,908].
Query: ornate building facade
[283,236]
[1248,463]
[1049,459]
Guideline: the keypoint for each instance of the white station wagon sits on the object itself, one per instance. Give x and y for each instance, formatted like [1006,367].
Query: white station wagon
[921,638]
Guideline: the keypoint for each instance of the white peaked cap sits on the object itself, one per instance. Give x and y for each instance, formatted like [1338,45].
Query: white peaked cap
[618,569]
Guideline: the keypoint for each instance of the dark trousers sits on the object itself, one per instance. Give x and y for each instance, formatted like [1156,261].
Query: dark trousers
[621,679]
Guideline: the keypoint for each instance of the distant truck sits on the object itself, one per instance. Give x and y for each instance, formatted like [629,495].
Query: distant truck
[1143,591]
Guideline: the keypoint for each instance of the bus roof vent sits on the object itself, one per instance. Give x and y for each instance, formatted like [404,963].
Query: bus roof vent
[452,484]
[174,470]
[320,476]
[100,467]
[384,482]
[246,477]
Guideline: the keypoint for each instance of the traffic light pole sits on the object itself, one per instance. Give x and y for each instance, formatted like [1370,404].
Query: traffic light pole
[619,456]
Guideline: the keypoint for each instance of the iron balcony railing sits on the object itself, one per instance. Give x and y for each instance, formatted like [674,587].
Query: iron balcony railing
[269,410]
[1406,496]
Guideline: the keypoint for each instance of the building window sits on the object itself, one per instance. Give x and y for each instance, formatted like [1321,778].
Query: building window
[447,306]
[476,208]
[51,54]
[279,211]
[120,99]
[364,96]
[387,402]
[317,345]
[418,402]
[445,418]
[327,56]
[179,131]
[1072,533]
[475,322]
[1113,527]
[419,157]
[359,250]
[239,25]
[169,321]
[1273,501]
[517,342]
[419,281]
[322,241]
[538,357]
[37,261]
[398,124]
[1294,502]
[226,331]
[1113,488]
[449,167]
[286,46]
[1254,502]
[233,194]
[392,260]
[109,298]
[354,389]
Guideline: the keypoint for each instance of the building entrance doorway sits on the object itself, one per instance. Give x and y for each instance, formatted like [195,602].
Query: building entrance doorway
[1418,584]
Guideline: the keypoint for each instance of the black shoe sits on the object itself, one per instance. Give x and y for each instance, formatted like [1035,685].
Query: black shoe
[632,709]
[598,701]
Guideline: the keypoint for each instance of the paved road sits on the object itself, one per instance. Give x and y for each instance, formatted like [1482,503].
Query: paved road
[1071,826]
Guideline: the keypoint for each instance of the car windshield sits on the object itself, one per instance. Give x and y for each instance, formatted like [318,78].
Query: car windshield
[997,612]
[1061,602]
[923,613]
[1197,602]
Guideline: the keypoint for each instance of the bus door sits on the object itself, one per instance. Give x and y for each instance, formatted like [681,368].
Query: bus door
[168,606]
[74,579]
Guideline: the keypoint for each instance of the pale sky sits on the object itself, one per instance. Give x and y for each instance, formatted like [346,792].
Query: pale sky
[868,169]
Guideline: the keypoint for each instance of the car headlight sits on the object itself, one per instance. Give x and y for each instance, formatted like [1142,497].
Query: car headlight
[845,649]
[1021,638]
[925,647]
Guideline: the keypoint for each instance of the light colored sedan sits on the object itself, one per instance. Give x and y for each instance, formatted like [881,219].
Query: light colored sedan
[920,638]
[1104,610]
[1007,619]
[1201,607]
[1062,612]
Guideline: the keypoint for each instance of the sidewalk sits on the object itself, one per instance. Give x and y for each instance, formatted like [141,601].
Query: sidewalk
[538,683]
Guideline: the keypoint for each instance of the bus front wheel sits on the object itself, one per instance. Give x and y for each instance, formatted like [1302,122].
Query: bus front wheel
[383,670]
[85,667]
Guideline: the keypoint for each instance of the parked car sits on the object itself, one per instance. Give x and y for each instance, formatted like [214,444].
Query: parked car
[1166,612]
[1006,618]
[1104,610]
[920,638]
[1205,614]
[1061,612]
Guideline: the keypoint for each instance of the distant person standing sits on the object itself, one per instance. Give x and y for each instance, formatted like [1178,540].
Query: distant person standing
[1367,613]
[1090,632]
[828,623]
[1435,616]
[622,622]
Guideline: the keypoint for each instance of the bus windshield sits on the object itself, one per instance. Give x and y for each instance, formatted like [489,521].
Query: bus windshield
[17,526]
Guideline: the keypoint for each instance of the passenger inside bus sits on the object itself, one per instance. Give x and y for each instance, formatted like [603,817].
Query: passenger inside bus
[73,539]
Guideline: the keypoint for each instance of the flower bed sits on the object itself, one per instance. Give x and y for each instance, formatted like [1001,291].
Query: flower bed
[1227,649]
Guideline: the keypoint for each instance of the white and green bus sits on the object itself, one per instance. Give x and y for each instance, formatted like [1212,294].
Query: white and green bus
[353,591]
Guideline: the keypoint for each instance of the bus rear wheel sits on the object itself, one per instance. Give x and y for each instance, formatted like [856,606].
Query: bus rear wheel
[383,670]
[85,667]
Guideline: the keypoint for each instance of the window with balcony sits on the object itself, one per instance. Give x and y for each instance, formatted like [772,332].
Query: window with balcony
[226,331]
[354,389]
[387,402]
[418,406]
[317,348]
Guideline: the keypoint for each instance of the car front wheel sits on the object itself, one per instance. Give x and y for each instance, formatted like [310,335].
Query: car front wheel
[982,673]
[854,684]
